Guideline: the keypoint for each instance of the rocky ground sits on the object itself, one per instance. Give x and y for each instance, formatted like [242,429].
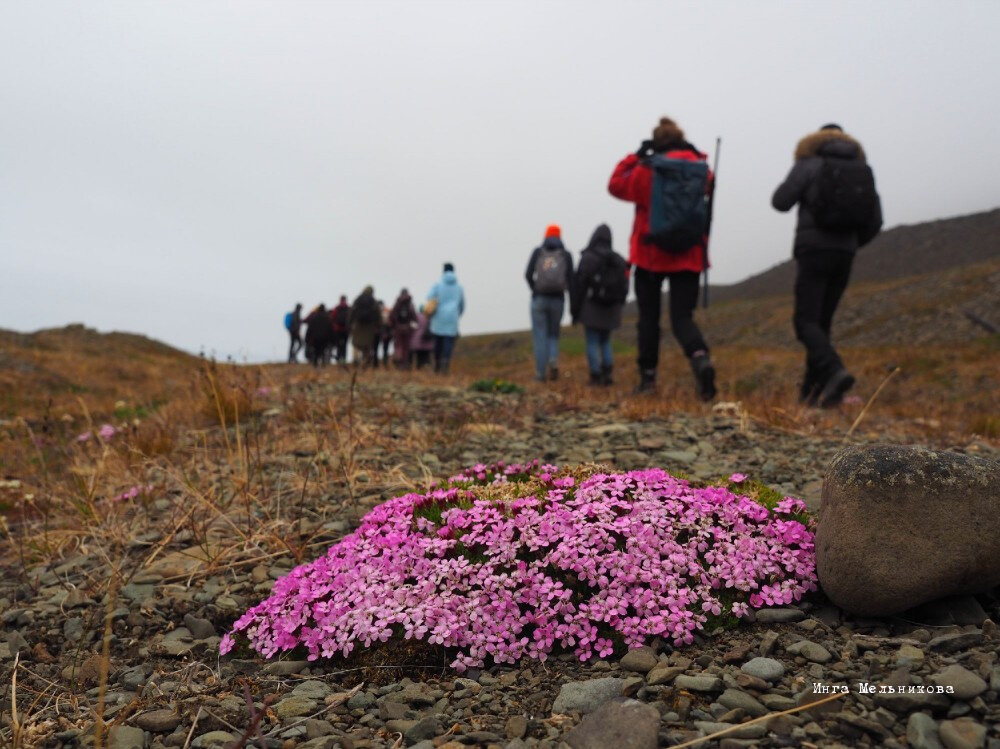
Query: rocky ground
[216,532]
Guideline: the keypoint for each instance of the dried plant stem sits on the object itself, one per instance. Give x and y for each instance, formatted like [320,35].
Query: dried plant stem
[112,594]
[737,726]
[869,403]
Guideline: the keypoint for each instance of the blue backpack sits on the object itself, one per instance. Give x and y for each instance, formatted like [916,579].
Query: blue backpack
[289,316]
[678,203]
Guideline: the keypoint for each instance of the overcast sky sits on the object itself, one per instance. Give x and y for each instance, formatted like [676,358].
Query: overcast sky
[189,170]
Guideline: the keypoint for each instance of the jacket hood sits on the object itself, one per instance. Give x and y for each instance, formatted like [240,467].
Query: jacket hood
[553,243]
[829,143]
[449,277]
[600,240]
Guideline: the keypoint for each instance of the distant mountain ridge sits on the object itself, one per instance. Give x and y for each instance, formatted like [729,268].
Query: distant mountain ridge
[900,252]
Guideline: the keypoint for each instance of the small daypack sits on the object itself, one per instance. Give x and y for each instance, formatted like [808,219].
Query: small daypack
[610,283]
[550,272]
[341,316]
[678,203]
[402,313]
[845,197]
[289,317]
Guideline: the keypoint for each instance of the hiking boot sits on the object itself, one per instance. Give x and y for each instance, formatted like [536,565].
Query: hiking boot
[647,382]
[596,379]
[833,390]
[553,372]
[809,393]
[704,376]
[606,378]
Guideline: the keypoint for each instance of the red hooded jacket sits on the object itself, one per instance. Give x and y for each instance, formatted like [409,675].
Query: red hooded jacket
[633,181]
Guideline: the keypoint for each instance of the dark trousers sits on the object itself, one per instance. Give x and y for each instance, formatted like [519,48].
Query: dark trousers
[340,346]
[820,281]
[444,345]
[293,349]
[683,288]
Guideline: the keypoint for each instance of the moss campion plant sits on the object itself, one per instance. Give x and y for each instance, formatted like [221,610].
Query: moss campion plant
[510,561]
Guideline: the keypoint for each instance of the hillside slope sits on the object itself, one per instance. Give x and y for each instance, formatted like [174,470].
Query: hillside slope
[900,252]
[56,366]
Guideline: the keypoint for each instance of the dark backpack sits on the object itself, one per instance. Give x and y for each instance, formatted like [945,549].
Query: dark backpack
[678,203]
[402,313]
[341,316]
[367,311]
[550,272]
[610,284]
[845,196]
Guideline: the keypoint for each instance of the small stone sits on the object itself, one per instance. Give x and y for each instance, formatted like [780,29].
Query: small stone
[908,655]
[424,729]
[127,737]
[964,733]
[517,726]
[779,615]
[73,629]
[641,660]
[158,721]
[990,630]
[361,701]
[663,674]
[767,642]
[200,628]
[752,731]
[767,669]
[294,707]
[587,696]
[285,668]
[922,732]
[736,699]
[811,651]
[312,689]
[777,702]
[699,683]
[955,642]
[620,723]
[966,684]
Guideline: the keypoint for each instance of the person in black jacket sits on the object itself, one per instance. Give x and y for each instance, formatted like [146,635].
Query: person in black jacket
[599,318]
[823,259]
[549,276]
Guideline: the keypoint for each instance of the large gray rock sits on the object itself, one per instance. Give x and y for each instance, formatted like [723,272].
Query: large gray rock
[620,723]
[900,526]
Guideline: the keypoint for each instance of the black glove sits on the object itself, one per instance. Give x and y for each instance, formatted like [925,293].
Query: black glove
[646,149]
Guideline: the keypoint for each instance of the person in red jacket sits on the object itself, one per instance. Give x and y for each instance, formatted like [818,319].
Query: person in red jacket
[632,181]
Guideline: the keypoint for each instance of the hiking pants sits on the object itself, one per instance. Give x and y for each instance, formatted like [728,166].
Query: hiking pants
[820,280]
[293,349]
[598,349]
[444,345]
[546,314]
[683,287]
[401,345]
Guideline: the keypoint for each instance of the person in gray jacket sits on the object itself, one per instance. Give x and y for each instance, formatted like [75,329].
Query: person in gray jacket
[823,258]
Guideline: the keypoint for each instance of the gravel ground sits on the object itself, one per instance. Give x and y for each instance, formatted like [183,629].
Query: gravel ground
[934,673]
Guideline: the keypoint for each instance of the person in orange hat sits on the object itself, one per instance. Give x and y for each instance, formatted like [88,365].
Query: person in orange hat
[549,276]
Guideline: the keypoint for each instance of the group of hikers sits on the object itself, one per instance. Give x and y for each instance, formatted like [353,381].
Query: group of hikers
[416,334]
[671,185]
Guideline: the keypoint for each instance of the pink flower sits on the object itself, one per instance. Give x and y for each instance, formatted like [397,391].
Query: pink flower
[738,478]
[106,432]
[84,437]
[636,555]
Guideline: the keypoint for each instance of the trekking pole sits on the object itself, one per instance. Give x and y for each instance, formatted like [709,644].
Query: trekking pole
[711,203]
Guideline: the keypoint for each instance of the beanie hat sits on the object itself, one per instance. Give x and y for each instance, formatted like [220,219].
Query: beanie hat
[832,126]
[448,267]
[552,230]
[665,133]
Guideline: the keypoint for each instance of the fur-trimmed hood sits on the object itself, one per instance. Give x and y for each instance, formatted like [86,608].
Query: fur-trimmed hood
[840,143]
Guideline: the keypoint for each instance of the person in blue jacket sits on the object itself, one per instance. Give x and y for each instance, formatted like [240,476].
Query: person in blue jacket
[450,300]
